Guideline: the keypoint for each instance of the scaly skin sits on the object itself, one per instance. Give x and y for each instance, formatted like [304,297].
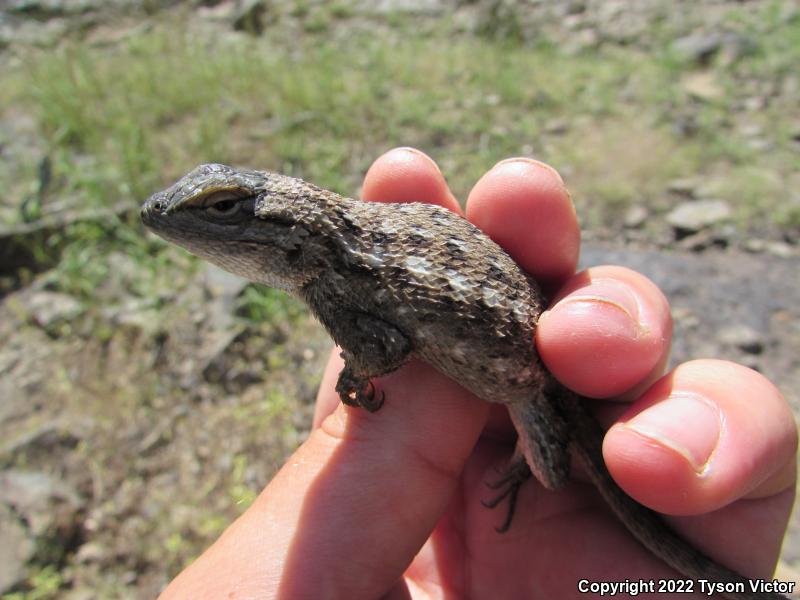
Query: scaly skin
[389,281]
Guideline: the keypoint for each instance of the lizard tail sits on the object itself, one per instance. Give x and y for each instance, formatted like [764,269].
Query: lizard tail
[646,525]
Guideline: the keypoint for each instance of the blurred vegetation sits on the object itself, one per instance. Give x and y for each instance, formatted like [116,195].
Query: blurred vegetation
[121,121]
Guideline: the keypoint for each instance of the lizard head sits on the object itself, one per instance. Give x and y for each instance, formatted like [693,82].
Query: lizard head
[211,212]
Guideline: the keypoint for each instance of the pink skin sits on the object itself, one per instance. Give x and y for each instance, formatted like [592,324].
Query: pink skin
[388,504]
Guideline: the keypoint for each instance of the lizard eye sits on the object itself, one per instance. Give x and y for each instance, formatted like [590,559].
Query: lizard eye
[226,206]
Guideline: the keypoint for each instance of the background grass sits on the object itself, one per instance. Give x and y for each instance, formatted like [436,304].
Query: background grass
[121,121]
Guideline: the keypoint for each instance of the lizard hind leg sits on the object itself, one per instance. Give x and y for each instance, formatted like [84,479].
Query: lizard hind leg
[516,473]
[543,440]
[542,449]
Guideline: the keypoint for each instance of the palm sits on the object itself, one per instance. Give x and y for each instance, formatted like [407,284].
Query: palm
[556,539]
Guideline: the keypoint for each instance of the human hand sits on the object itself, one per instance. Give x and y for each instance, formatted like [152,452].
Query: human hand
[389,504]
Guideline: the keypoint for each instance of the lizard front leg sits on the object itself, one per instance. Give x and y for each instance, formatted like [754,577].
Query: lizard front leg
[370,347]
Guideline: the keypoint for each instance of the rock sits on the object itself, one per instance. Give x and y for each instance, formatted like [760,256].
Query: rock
[221,284]
[92,552]
[702,240]
[574,7]
[419,7]
[781,249]
[16,549]
[736,45]
[702,86]
[49,506]
[743,337]
[48,9]
[754,245]
[635,216]
[50,309]
[701,48]
[556,126]
[754,103]
[581,41]
[686,187]
[134,315]
[690,217]
[46,437]
[248,16]
[686,124]
[698,47]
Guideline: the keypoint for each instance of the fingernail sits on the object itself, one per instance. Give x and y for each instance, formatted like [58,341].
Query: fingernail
[524,160]
[416,152]
[612,304]
[685,422]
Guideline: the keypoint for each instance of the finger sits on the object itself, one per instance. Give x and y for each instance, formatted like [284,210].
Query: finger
[400,175]
[407,175]
[523,205]
[607,332]
[326,400]
[709,433]
[355,502]
[706,434]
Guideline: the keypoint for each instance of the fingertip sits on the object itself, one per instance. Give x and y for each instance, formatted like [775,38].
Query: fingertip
[607,333]
[707,434]
[407,175]
[524,206]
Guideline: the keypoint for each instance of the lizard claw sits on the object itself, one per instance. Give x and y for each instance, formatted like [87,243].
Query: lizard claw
[362,398]
[509,486]
[367,399]
[358,391]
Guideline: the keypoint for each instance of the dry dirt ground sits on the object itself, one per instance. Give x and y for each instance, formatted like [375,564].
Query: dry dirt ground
[123,459]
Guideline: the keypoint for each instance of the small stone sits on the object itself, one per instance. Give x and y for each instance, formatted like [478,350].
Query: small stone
[794,133]
[751,361]
[759,144]
[702,86]
[780,249]
[736,46]
[751,130]
[48,309]
[420,7]
[743,337]
[48,505]
[684,187]
[635,216]
[219,283]
[702,240]
[755,245]
[556,126]
[91,552]
[693,216]
[248,16]
[698,47]
[16,549]
[754,103]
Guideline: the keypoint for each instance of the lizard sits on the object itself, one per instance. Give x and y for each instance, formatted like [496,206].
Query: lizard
[392,281]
